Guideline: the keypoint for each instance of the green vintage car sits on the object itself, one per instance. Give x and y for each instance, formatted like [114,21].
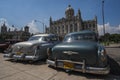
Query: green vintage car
[80,51]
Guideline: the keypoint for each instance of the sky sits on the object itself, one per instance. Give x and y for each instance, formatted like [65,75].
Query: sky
[24,12]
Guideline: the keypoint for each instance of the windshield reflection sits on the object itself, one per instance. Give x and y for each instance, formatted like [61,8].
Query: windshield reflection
[34,38]
[79,37]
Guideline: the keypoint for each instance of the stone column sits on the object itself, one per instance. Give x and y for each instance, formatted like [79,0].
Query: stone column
[78,27]
[68,28]
[73,27]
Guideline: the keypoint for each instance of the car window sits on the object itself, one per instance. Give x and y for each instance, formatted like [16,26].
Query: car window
[54,38]
[50,38]
[89,37]
[45,38]
[80,37]
[34,38]
[67,38]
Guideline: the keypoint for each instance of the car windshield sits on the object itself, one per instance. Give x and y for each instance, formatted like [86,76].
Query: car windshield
[34,38]
[50,38]
[78,37]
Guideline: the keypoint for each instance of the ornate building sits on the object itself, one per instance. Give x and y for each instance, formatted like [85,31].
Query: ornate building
[15,34]
[71,23]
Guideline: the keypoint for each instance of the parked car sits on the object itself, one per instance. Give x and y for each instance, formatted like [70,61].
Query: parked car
[3,45]
[33,49]
[80,51]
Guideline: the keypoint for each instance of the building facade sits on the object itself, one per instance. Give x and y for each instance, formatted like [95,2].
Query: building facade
[15,34]
[71,23]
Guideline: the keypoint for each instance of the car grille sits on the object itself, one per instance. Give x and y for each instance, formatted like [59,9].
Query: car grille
[22,49]
[73,57]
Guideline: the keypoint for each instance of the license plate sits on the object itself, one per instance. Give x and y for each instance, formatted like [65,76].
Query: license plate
[18,53]
[68,65]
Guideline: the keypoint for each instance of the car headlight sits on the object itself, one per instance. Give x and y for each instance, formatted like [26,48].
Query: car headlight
[103,52]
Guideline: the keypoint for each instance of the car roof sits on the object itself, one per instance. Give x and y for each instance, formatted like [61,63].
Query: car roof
[44,35]
[83,32]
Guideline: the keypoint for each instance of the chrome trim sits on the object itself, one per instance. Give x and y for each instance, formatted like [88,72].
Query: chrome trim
[51,62]
[70,52]
[6,55]
[85,69]
[10,55]
[21,57]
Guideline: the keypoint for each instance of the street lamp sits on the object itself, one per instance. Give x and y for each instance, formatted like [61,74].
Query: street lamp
[42,24]
[103,21]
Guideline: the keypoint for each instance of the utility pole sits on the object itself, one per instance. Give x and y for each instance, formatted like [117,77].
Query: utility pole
[103,17]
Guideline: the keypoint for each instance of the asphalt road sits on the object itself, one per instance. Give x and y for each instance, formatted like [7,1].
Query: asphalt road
[12,70]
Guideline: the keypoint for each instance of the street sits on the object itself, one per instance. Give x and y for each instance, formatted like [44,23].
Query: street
[12,70]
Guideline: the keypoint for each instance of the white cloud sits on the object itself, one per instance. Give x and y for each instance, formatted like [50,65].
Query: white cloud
[33,27]
[108,29]
[2,21]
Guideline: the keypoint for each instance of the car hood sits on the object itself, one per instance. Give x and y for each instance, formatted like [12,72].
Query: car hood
[25,46]
[27,43]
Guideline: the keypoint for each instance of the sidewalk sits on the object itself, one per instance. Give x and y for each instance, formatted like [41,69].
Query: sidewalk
[113,45]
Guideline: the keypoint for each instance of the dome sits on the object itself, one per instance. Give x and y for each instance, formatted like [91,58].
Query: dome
[69,8]
[69,11]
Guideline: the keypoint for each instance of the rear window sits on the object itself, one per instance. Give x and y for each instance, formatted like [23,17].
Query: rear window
[79,37]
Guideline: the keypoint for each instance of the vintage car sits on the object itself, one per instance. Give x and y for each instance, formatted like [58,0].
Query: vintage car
[33,49]
[80,51]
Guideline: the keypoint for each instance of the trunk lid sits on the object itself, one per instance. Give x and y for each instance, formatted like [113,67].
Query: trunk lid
[77,51]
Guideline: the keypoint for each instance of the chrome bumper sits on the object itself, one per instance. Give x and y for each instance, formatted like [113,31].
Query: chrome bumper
[84,69]
[20,57]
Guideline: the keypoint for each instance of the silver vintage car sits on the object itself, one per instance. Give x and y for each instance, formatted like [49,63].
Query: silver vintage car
[33,49]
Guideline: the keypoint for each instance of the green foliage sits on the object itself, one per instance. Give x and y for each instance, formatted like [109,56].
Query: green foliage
[110,38]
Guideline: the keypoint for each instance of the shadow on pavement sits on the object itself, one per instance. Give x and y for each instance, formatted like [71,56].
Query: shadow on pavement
[40,62]
[114,66]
